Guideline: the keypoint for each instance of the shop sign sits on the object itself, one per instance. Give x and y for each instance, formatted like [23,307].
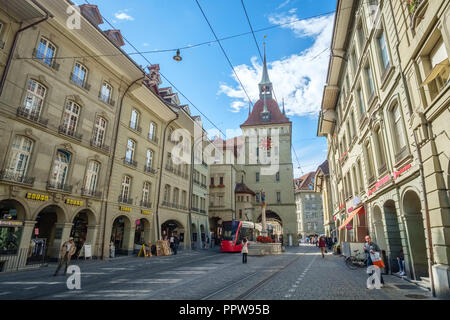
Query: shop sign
[379,184]
[71,202]
[38,197]
[146,212]
[138,222]
[9,223]
[349,227]
[36,231]
[397,173]
[126,209]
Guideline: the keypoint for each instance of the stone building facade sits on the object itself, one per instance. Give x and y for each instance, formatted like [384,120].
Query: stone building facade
[309,207]
[384,76]
[322,185]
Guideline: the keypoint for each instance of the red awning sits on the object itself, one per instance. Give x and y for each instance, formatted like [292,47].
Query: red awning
[351,216]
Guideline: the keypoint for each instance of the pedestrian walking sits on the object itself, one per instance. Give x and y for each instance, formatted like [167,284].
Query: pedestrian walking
[322,246]
[207,242]
[176,242]
[401,263]
[65,254]
[371,247]
[172,243]
[244,250]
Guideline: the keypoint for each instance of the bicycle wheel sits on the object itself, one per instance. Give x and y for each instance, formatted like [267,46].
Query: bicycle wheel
[351,263]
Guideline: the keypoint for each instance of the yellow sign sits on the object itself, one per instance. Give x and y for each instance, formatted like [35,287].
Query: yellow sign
[144,252]
[74,202]
[125,209]
[38,197]
[146,212]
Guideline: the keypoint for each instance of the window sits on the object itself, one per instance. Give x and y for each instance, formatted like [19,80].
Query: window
[354,62]
[369,161]
[399,133]
[240,213]
[129,155]
[34,99]
[149,160]
[106,92]
[60,169]
[176,193]
[70,119]
[99,131]
[92,177]
[369,77]
[278,196]
[355,181]
[46,52]
[277,177]
[152,131]
[440,68]
[79,74]
[361,38]
[134,122]
[20,157]
[221,181]
[166,194]
[183,198]
[360,176]
[257,176]
[125,190]
[362,107]
[381,153]
[382,45]
[352,118]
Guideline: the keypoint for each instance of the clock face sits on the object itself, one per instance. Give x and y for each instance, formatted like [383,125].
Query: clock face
[266,143]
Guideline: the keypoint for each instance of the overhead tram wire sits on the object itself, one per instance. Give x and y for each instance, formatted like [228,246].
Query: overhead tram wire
[256,42]
[162,75]
[225,54]
[298,162]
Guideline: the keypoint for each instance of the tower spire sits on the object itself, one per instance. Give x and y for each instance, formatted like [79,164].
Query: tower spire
[265,86]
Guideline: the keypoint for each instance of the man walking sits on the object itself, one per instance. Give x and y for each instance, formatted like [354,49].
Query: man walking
[65,254]
[322,245]
[371,247]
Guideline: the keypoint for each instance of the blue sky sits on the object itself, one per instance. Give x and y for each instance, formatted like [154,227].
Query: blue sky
[297,55]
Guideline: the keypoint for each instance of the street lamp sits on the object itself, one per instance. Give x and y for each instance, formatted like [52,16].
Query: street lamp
[177,57]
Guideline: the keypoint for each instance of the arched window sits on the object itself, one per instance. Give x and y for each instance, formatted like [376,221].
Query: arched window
[34,99]
[397,126]
[71,118]
[149,160]
[125,190]
[106,92]
[92,177]
[79,74]
[60,169]
[176,194]
[20,156]
[129,155]
[166,194]
[99,131]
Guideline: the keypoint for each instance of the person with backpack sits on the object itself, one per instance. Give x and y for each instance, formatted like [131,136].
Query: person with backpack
[244,250]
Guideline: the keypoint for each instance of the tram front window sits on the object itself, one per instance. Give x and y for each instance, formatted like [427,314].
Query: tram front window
[229,230]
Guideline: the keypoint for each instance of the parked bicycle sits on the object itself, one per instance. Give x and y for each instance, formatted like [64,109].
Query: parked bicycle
[356,260]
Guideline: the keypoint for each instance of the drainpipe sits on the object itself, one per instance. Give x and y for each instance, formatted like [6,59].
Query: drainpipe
[191,191]
[419,157]
[16,38]
[160,177]
[117,124]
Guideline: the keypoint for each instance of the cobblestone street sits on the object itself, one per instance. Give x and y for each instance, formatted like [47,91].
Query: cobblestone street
[298,274]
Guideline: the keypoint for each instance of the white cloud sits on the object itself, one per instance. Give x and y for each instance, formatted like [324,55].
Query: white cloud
[298,78]
[123,16]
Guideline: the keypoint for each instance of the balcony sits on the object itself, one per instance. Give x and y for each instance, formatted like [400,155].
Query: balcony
[6,175]
[99,145]
[149,169]
[197,182]
[146,204]
[80,82]
[130,162]
[69,132]
[125,200]
[204,164]
[204,186]
[134,126]
[183,208]
[32,116]
[91,193]
[59,186]
[203,211]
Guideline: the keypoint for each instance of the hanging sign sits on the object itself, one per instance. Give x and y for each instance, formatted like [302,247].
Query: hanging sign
[9,223]
[349,227]
[138,222]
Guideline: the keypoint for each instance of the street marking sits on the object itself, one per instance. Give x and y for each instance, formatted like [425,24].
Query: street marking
[123,291]
[291,290]
[30,288]
[288,296]
[4,293]
[182,272]
[139,281]
[112,269]
[194,268]
[93,273]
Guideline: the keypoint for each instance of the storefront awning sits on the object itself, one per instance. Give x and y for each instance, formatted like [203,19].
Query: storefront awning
[351,216]
[437,70]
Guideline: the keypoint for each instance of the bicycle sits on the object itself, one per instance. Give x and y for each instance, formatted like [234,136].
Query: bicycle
[353,262]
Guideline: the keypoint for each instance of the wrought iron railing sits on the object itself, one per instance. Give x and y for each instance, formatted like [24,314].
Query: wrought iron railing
[69,132]
[125,200]
[91,193]
[146,204]
[31,115]
[7,175]
[130,162]
[99,145]
[149,169]
[59,186]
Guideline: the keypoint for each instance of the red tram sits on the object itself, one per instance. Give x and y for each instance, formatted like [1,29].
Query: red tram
[234,231]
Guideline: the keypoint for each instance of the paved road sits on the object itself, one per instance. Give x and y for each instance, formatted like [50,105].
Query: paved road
[298,274]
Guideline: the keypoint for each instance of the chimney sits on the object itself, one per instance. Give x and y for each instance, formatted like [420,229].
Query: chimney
[115,36]
[91,12]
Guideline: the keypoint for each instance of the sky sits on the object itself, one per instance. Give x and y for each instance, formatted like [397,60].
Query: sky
[297,55]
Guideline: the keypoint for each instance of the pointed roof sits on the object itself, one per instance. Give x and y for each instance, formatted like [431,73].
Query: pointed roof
[242,188]
[265,76]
